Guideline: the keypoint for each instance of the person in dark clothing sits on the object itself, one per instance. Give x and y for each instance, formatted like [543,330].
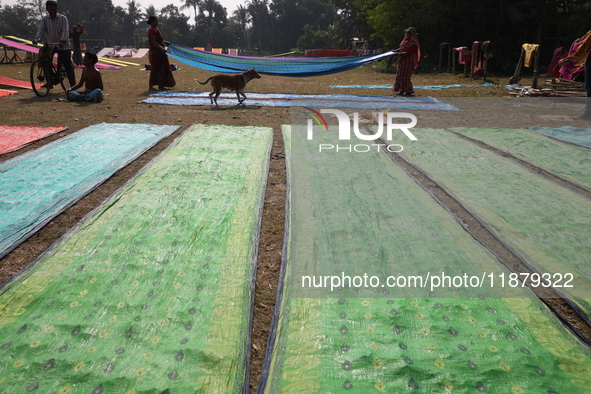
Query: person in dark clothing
[55,28]
[75,33]
[408,61]
[160,73]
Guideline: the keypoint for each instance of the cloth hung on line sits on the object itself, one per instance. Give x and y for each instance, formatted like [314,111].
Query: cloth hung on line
[463,55]
[288,67]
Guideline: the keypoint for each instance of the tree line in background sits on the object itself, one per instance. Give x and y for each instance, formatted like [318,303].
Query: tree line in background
[277,26]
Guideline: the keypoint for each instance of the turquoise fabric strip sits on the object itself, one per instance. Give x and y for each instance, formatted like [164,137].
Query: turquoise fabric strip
[38,185]
[574,135]
[427,87]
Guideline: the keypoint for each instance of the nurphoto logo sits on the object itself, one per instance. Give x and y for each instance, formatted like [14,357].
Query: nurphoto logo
[345,126]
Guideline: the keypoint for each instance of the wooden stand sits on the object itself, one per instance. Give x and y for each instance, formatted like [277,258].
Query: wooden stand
[566,88]
[534,83]
[442,47]
[517,76]
[10,59]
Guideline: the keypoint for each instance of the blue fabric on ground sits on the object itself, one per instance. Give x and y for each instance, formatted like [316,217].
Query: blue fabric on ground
[286,100]
[281,96]
[38,185]
[426,87]
[574,135]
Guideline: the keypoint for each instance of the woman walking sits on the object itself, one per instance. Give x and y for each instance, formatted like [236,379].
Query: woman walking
[160,73]
[407,62]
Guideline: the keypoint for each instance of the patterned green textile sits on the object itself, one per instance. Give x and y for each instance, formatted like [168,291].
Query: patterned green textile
[548,225]
[566,161]
[152,292]
[395,341]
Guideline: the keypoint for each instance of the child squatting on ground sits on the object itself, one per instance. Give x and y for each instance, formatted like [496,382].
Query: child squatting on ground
[91,78]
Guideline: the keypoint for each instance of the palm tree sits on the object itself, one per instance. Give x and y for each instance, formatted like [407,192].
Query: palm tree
[214,17]
[151,10]
[194,4]
[241,17]
[134,12]
[209,6]
[258,11]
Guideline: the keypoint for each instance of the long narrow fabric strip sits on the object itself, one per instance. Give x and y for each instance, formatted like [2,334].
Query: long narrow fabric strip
[547,225]
[152,292]
[38,185]
[563,160]
[284,66]
[295,97]
[15,137]
[426,87]
[312,100]
[363,214]
[15,83]
[17,45]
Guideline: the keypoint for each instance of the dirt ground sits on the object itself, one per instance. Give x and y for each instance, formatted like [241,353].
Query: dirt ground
[480,107]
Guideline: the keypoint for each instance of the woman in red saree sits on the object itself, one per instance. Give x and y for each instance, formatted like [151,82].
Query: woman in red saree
[160,73]
[407,62]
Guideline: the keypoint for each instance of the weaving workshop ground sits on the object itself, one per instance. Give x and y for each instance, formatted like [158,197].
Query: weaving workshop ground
[481,107]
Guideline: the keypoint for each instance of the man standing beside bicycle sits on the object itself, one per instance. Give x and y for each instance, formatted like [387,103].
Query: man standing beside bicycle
[56,29]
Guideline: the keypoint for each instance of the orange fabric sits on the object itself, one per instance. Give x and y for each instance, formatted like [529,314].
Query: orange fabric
[581,54]
[15,137]
[15,83]
[4,93]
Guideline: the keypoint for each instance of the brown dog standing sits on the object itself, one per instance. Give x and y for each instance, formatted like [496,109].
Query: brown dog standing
[236,82]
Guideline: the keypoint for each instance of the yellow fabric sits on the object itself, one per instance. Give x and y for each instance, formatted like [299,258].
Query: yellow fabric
[529,49]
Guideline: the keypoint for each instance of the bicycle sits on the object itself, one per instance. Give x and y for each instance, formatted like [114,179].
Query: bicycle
[39,68]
